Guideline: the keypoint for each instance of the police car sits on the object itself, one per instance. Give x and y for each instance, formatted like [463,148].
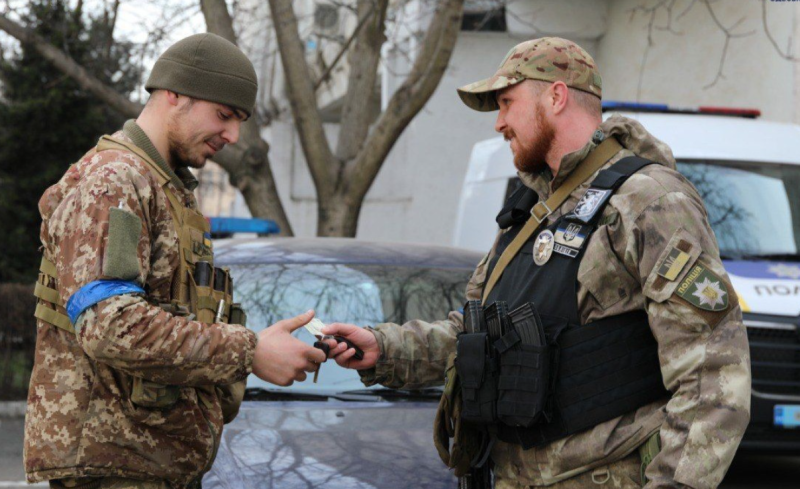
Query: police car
[748,173]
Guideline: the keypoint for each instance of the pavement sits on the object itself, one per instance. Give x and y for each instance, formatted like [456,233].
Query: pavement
[12,475]
[748,471]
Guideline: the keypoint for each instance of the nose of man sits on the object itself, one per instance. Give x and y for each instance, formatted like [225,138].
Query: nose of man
[500,125]
[231,132]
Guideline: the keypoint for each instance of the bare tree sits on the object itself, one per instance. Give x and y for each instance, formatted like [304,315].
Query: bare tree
[341,177]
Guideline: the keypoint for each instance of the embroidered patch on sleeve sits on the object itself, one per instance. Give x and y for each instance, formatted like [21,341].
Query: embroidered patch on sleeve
[673,264]
[703,289]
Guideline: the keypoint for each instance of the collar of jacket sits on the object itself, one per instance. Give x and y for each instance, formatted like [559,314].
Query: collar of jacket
[544,183]
[181,177]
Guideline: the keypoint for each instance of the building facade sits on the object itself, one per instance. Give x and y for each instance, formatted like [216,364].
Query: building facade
[682,53]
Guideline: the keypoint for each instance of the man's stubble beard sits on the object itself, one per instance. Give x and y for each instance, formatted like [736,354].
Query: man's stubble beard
[533,158]
[179,146]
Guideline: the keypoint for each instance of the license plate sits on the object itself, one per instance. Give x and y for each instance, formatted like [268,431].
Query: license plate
[787,416]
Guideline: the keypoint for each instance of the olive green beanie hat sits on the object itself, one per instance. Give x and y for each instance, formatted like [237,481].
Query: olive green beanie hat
[207,67]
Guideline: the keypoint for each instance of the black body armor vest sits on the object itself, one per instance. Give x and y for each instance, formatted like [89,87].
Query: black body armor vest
[597,371]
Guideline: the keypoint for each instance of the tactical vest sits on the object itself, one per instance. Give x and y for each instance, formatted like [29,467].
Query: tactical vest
[582,374]
[209,302]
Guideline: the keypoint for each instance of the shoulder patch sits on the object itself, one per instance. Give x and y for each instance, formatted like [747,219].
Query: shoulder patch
[673,264]
[705,290]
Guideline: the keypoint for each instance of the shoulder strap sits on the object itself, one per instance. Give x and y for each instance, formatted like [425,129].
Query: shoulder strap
[596,159]
[176,206]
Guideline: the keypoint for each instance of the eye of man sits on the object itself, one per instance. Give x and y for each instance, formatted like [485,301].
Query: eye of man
[224,116]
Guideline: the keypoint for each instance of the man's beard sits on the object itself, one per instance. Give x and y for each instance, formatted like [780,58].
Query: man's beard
[533,158]
[180,154]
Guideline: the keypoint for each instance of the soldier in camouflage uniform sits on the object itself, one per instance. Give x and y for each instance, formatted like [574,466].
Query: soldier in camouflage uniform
[652,251]
[129,389]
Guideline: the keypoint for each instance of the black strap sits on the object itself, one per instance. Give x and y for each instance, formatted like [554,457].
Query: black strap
[506,342]
[616,174]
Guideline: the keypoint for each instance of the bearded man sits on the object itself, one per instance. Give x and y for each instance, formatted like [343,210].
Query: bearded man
[141,352]
[602,344]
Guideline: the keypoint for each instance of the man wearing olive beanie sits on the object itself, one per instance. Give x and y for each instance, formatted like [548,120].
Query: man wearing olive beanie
[138,362]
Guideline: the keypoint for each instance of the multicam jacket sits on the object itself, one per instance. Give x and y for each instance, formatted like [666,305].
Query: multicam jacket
[80,419]
[704,354]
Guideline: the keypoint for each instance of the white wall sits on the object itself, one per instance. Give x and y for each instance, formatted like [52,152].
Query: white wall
[681,65]
[415,196]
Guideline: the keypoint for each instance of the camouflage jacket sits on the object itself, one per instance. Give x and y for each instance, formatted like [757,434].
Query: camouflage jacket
[80,419]
[704,354]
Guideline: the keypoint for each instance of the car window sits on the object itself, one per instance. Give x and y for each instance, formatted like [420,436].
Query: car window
[364,295]
[753,208]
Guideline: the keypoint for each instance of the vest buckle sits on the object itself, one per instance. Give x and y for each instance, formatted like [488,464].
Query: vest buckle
[541,213]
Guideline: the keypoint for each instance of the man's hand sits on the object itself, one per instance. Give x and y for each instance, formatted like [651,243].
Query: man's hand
[360,337]
[281,358]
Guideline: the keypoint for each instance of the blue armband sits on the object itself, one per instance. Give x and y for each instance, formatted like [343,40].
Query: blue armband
[94,292]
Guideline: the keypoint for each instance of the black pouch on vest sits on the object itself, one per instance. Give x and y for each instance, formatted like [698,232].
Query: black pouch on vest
[524,379]
[477,370]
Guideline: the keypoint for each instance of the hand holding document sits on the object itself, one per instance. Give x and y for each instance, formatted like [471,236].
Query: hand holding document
[315,327]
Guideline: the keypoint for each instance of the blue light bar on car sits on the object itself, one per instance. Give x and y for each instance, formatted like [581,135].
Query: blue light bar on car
[633,106]
[612,105]
[230,225]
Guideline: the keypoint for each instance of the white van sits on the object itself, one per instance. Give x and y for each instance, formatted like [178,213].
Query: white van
[748,173]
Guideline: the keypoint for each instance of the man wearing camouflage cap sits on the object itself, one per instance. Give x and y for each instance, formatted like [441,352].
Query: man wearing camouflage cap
[141,354]
[613,248]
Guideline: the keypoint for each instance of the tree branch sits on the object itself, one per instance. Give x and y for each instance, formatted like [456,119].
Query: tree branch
[247,162]
[218,19]
[300,89]
[341,53]
[429,67]
[364,60]
[70,67]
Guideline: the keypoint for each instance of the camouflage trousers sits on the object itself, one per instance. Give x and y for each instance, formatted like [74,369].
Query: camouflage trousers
[622,474]
[112,483]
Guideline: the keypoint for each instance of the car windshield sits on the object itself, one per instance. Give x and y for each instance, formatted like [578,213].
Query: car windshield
[364,295]
[754,208]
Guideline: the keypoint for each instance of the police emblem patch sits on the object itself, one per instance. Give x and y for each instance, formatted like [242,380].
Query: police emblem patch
[590,203]
[543,247]
[702,288]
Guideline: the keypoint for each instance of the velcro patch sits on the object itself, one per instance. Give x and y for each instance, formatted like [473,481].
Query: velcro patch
[703,289]
[673,264]
[121,260]
[592,201]
[571,234]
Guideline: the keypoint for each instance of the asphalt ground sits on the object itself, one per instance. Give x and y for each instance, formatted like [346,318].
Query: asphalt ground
[750,471]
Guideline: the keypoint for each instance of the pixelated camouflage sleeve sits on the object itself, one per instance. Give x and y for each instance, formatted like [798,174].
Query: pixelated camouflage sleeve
[125,331]
[414,355]
[695,316]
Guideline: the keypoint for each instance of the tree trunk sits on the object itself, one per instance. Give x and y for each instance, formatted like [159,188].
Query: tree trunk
[337,217]
[343,179]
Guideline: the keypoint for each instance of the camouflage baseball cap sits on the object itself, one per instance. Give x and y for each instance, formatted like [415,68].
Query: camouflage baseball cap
[549,59]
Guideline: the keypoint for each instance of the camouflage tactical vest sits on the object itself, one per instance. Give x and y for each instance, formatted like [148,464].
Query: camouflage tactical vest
[209,302]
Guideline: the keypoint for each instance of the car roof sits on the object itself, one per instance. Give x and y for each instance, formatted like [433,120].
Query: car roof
[691,137]
[341,250]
